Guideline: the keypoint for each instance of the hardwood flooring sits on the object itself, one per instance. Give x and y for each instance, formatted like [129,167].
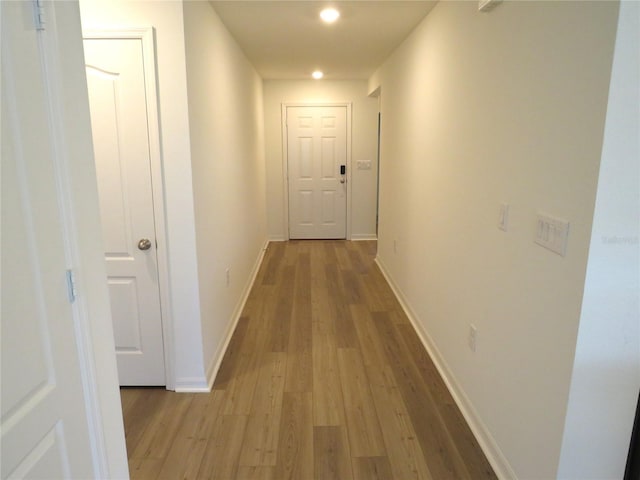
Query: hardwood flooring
[324,378]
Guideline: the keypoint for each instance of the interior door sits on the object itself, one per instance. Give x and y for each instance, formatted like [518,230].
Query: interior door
[316,165]
[118,102]
[45,430]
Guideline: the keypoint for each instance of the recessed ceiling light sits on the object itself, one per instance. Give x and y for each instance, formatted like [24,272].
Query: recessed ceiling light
[329,15]
[317,74]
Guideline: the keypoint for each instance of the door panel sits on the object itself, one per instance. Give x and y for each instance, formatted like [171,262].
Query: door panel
[118,102]
[317,147]
[45,431]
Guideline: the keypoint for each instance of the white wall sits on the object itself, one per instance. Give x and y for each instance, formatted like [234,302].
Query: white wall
[479,109]
[166,18]
[227,146]
[606,375]
[364,147]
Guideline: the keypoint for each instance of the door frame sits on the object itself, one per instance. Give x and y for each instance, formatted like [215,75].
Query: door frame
[147,37]
[285,158]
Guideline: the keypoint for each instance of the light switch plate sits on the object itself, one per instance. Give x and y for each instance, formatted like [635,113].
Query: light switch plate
[552,233]
[364,164]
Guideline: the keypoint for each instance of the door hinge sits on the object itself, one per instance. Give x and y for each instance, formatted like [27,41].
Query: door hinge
[38,13]
[71,286]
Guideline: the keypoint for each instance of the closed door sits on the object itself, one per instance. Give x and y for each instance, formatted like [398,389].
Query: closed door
[317,162]
[45,432]
[118,102]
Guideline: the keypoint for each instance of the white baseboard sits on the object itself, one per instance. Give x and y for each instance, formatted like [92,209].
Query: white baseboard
[192,385]
[363,236]
[216,360]
[487,443]
[277,238]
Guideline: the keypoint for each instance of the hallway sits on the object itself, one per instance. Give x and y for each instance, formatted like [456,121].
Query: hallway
[324,378]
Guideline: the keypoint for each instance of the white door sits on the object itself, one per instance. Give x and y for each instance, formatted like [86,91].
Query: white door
[118,101]
[45,431]
[317,162]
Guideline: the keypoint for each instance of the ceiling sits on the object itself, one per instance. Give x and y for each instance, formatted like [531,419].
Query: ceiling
[287,39]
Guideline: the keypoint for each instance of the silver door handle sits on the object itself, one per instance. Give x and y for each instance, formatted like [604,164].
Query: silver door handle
[342,180]
[144,244]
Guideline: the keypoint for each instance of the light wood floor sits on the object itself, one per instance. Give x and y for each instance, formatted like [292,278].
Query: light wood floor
[324,378]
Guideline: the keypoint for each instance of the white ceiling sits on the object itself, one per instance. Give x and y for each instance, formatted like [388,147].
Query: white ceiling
[287,39]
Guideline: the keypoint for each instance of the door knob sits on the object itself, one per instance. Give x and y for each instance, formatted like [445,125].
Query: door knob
[144,244]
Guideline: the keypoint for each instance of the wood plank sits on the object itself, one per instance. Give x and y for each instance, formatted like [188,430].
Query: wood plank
[260,444]
[342,255]
[220,460]
[403,447]
[295,446]
[280,318]
[461,434]
[145,468]
[231,355]
[158,437]
[443,458]
[239,392]
[255,473]
[371,468]
[299,366]
[338,300]
[368,249]
[128,396]
[346,336]
[365,437]
[330,253]
[371,345]
[274,257]
[331,454]
[370,296]
[261,438]
[351,286]
[358,264]
[204,432]
[175,462]
[267,397]
[144,411]
[328,405]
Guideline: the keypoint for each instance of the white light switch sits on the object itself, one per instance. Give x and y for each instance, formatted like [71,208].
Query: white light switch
[552,233]
[364,164]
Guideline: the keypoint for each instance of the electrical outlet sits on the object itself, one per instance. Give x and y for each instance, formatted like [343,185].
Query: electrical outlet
[228,276]
[473,337]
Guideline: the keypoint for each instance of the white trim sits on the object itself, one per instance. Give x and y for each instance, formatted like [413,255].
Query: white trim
[216,360]
[355,237]
[192,385]
[78,204]
[62,138]
[146,36]
[487,443]
[277,238]
[285,156]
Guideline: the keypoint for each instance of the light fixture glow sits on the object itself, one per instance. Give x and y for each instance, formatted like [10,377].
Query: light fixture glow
[329,15]
[317,74]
